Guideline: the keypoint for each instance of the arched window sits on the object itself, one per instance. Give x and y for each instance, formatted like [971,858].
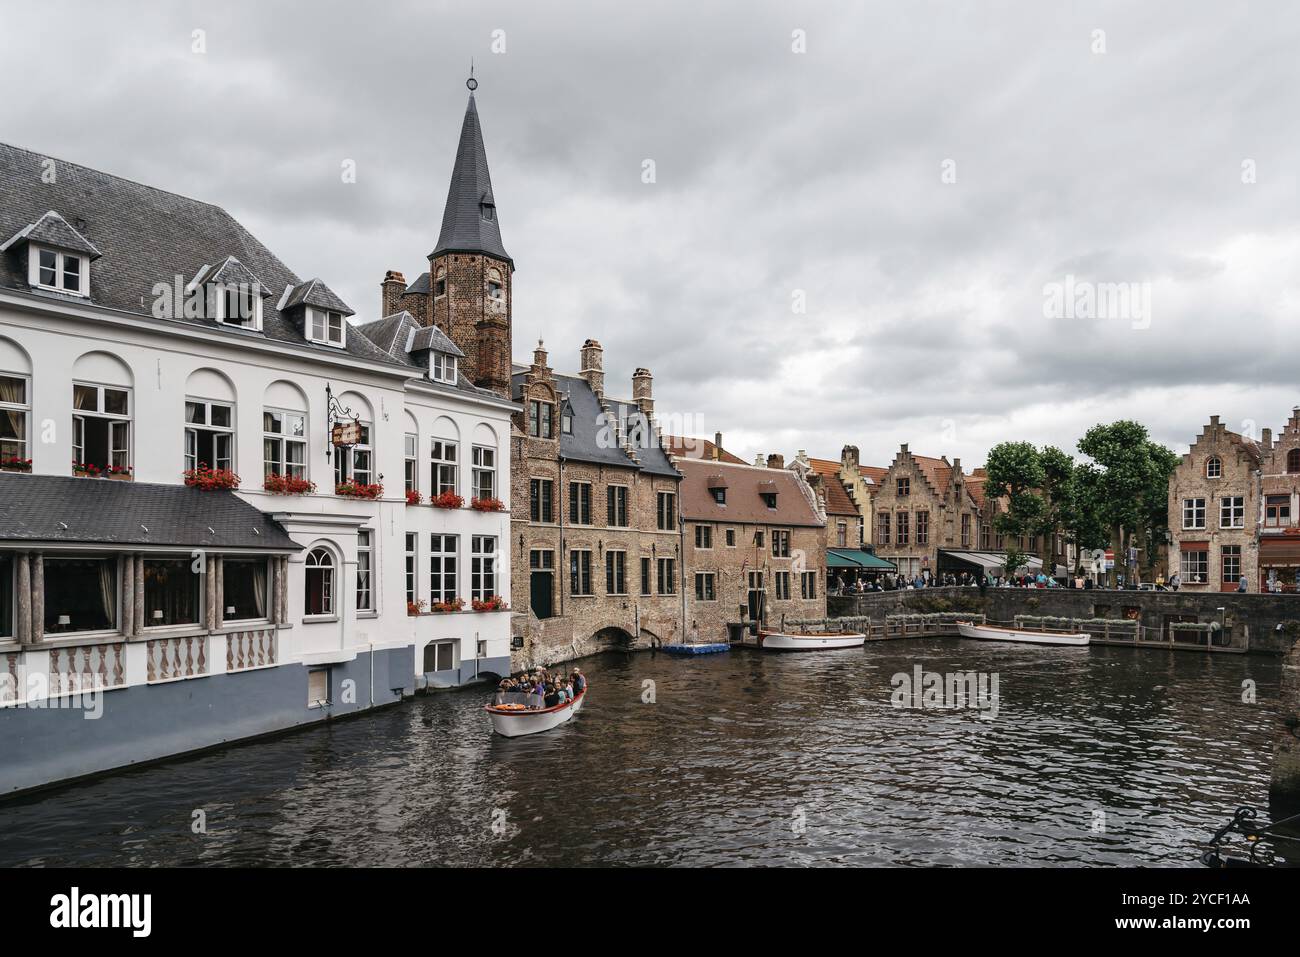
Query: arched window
[320,583]
[1213,467]
[1293,461]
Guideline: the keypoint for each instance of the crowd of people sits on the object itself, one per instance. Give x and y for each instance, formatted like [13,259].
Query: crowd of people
[891,582]
[544,690]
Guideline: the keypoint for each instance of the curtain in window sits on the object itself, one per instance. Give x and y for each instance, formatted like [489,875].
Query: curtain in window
[11,390]
[107,590]
[259,593]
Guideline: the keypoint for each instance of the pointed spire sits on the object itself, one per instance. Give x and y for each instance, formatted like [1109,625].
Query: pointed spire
[469,221]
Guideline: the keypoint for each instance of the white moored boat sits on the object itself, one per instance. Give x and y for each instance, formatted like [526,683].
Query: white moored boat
[991,633]
[512,717]
[825,641]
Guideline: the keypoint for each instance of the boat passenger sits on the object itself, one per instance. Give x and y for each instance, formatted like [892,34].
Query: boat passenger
[579,681]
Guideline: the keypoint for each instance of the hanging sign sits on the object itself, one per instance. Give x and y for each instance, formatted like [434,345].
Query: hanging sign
[345,434]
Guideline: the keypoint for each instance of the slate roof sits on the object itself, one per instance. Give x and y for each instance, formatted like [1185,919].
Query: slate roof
[584,444]
[401,334]
[313,292]
[145,236]
[419,287]
[744,503]
[231,272]
[53,230]
[464,228]
[35,508]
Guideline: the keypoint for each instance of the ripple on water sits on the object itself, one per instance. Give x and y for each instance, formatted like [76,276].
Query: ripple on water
[744,758]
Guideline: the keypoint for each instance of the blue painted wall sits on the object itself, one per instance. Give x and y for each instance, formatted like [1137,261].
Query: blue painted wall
[41,746]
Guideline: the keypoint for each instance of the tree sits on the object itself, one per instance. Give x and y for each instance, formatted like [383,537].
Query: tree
[1129,485]
[1014,473]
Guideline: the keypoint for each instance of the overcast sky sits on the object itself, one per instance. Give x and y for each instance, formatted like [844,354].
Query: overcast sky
[780,177]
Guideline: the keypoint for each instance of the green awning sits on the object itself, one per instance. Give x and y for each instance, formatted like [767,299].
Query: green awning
[857,558]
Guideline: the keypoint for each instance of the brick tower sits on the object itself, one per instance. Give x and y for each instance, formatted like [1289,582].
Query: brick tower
[470,272]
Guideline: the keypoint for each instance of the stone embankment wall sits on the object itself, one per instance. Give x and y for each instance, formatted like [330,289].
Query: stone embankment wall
[1251,621]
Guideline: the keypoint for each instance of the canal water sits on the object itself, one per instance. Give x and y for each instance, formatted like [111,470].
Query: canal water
[1095,756]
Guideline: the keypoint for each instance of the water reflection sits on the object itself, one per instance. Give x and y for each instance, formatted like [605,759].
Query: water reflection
[1097,756]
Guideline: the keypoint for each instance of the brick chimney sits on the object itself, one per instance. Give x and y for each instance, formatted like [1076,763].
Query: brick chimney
[593,367]
[1266,440]
[539,355]
[643,391]
[391,293]
[717,446]
[849,456]
[758,459]
[776,461]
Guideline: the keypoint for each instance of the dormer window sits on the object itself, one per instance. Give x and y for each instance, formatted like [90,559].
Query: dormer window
[239,306]
[60,271]
[442,367]
[769,499]
[488,207]
[325,326]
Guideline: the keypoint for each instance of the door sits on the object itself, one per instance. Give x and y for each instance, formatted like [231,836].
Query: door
[756,596]
[540,592]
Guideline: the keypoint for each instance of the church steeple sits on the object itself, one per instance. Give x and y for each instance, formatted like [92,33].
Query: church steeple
[471,276]
[469,220]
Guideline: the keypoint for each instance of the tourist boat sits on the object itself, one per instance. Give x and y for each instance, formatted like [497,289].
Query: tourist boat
[512,718]
[809,641]
[991,633]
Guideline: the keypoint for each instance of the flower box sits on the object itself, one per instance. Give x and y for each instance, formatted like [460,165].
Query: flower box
[210,479]
[278,484]
[351,489]
[14,464]
[495,603]
[447,607]
[413,497]
[415,608]
[487,505]
[447,500]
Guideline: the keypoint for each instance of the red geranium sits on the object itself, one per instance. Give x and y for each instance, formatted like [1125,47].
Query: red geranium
[447,500]
[443,607]
[353,489]
[494,603]
[208,479]
[487,504]
[413,497]
[278,484]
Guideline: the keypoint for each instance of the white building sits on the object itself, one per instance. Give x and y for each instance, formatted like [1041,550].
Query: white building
[144,334]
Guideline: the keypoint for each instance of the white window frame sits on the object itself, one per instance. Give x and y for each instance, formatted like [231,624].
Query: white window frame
[60,257]
[282,441]
[117,443]
[326,326]
[444,565]
[478,471]
[1214,467]
[483,571]
[1233,509]
[329,590]
[365,571]
[24,409]
[192,430]
[411,461]
[345,459]
[444,470]
[442,368]
[1193,514]
[580,583]
[221,294]
[1188,574]
[412,567]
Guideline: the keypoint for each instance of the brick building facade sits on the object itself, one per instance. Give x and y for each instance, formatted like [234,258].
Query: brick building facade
[1279,517]
[597,541]
[1214,508]
[755,546]
[923,504]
